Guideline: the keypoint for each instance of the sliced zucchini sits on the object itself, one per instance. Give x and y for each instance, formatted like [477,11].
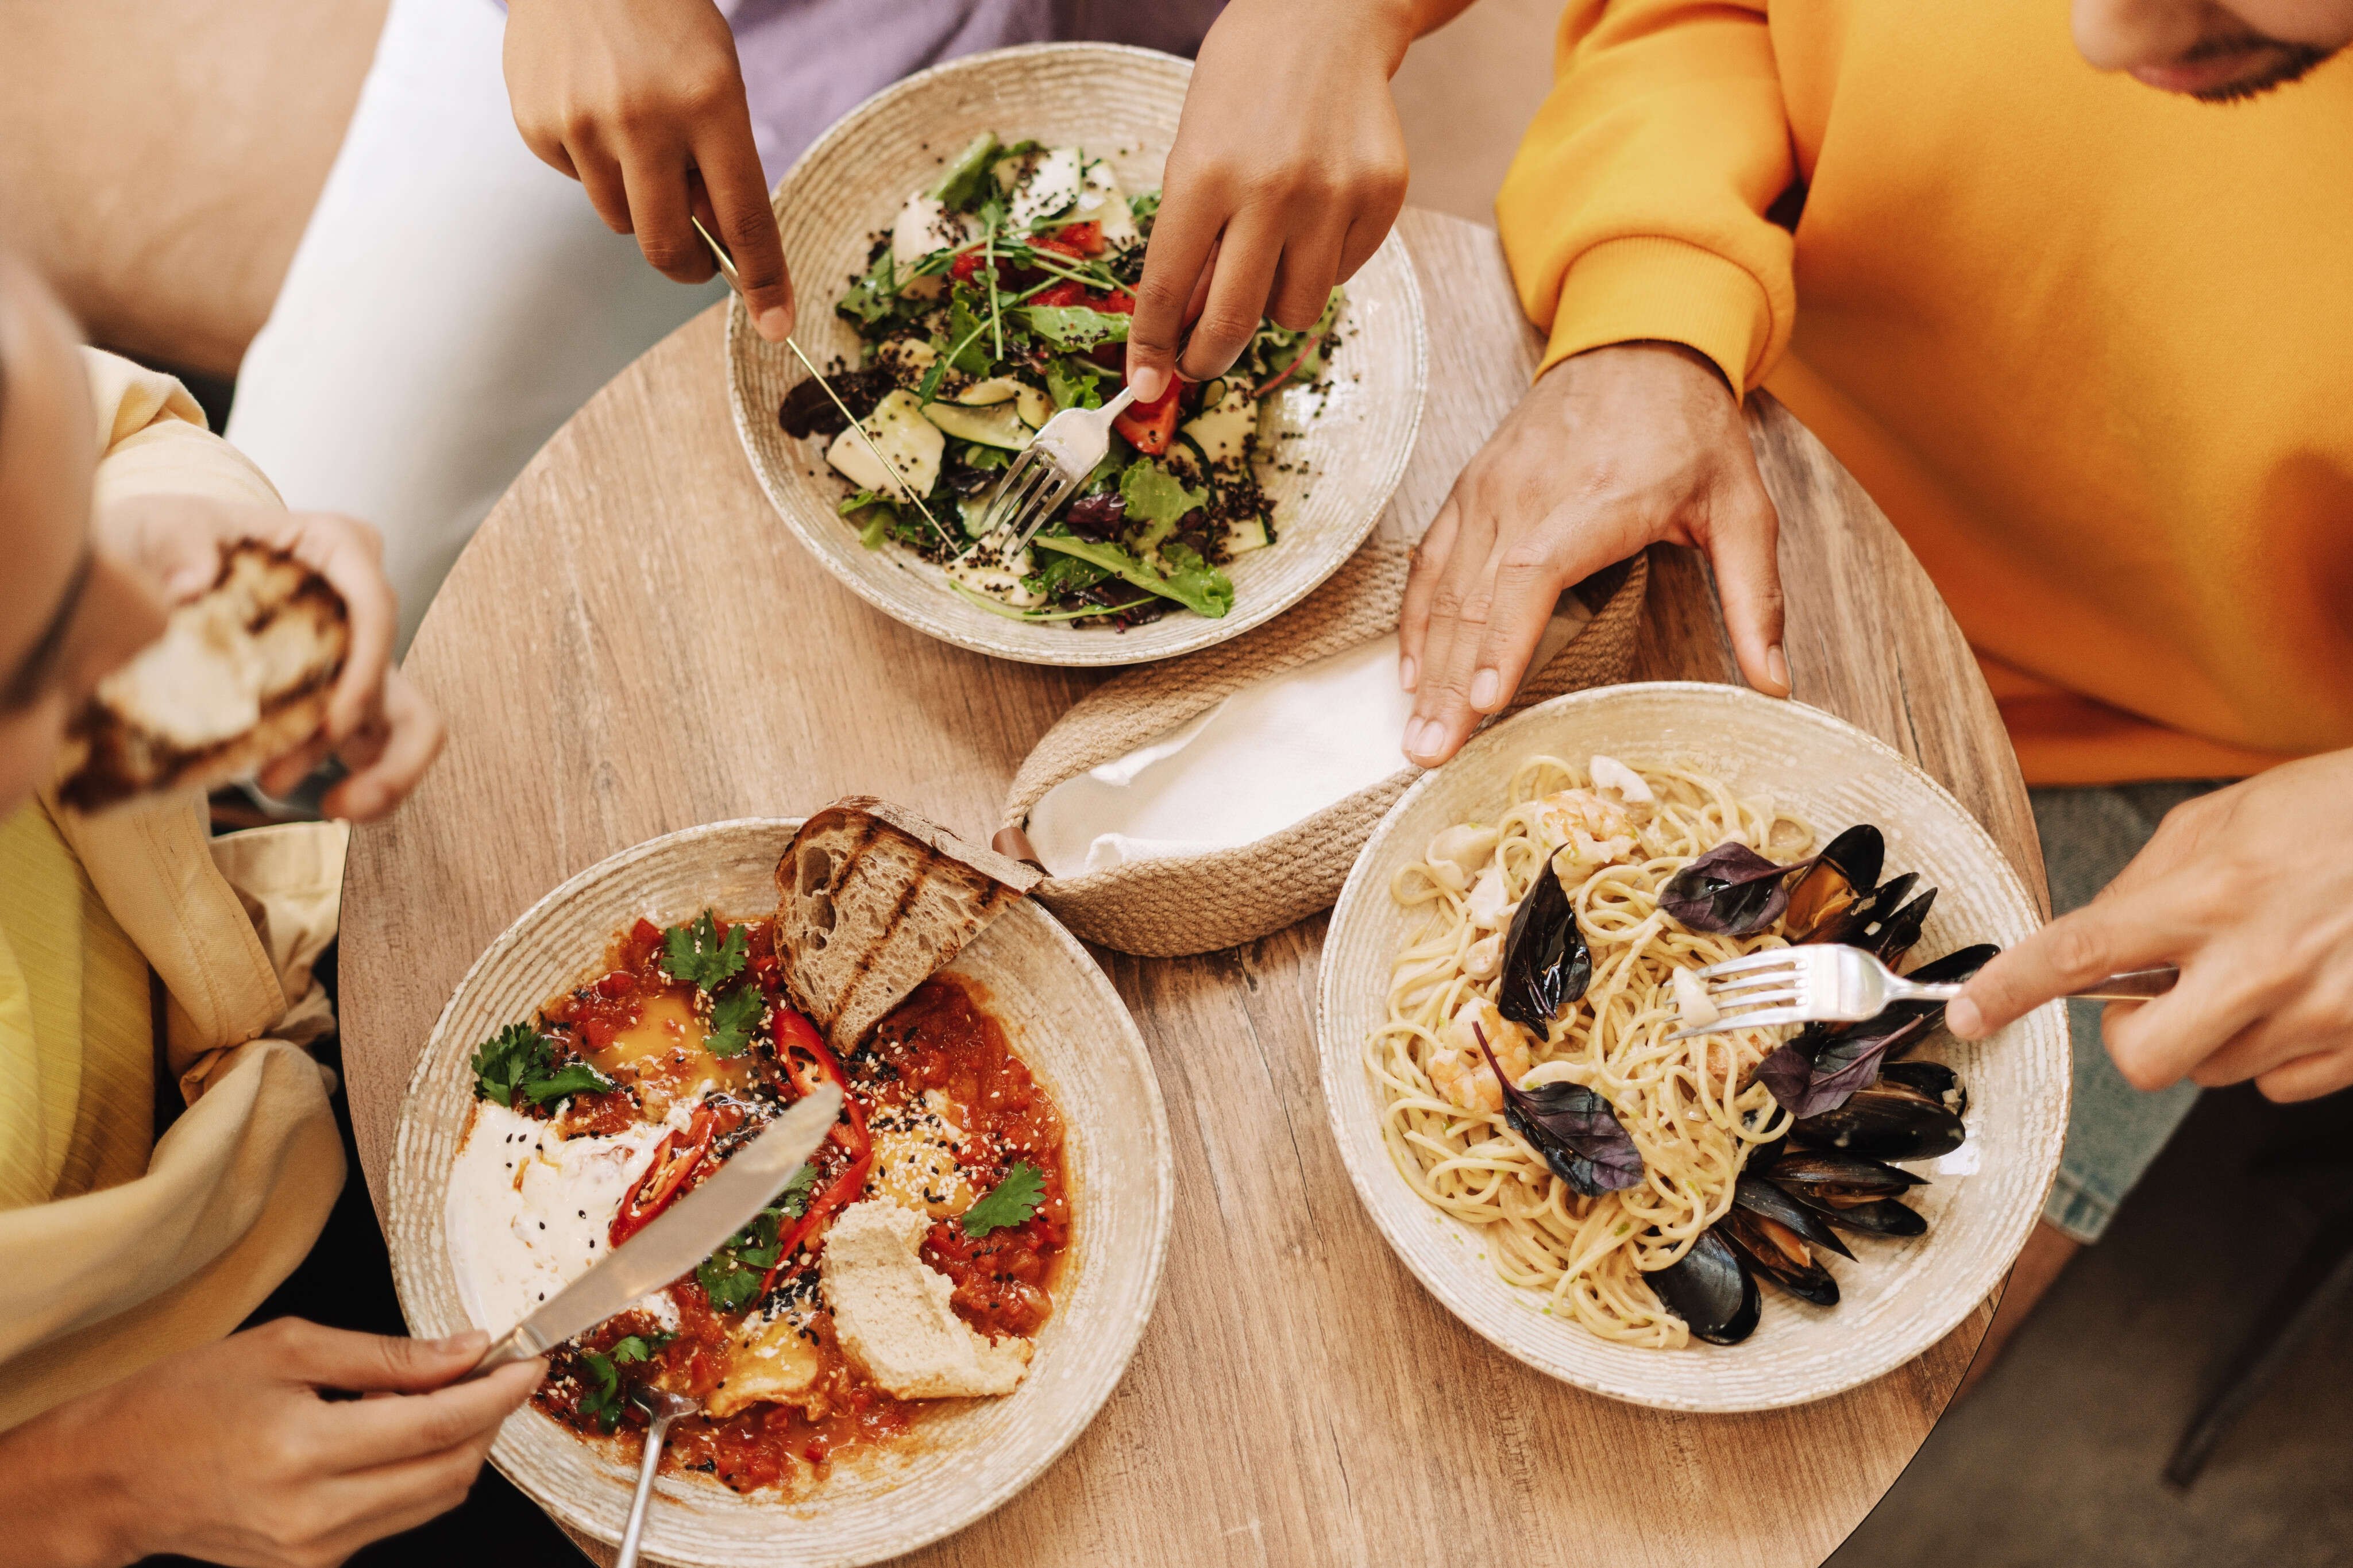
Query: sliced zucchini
[1223,429]
[1052,184]
[911,445]
[996,389]
[1034,406]
[923,226]
[998,425]
[1245,534]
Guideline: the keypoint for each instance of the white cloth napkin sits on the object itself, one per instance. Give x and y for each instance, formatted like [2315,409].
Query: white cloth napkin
[1272,755]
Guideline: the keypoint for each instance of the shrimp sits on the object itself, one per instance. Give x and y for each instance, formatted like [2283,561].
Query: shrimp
[1460,1074]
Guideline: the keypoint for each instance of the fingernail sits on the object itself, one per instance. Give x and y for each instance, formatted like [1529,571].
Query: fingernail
[1421,740]
[1149,382]
[1407,672]
[1961,1017]
[1484,687]
[776,323]
[1777,667]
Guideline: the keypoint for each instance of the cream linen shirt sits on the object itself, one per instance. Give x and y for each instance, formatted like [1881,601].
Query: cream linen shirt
[97,1285]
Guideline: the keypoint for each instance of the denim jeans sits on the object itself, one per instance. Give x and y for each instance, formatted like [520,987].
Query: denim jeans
[2113,1130]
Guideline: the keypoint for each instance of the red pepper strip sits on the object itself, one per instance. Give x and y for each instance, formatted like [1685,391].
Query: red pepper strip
[794,1031]
[1288,371]
[672,1163]
[1150,427]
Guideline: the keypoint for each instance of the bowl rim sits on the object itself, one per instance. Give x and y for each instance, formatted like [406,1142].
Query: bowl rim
[400,1175]
[1039,646]
[1336,1057]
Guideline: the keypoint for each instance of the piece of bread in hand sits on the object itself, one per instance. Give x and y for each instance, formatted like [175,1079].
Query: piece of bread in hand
[240,677]
[872,902]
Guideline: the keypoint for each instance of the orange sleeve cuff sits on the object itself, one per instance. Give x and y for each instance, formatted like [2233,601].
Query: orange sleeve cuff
[1647,288]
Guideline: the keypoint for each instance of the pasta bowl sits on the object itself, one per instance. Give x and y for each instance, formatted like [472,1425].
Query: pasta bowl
[1343,445]
[964,1458]
[1899,1298]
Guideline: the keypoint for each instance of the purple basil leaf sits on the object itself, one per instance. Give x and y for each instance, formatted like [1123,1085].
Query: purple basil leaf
[1731,889]
[1788,1073]
[1097,517]
[1573,1127]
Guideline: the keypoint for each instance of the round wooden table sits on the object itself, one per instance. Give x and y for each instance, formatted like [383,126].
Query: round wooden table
[633,644]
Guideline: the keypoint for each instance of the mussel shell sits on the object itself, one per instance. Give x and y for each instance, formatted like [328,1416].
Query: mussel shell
[1711,1290]
[1847,868]
[1935,1080]
[1884,1216]
[1833,1172]
[1886,1120]
[1748,1233]
[1927,1018]
[1547,964]
[1861,922]
[1760,1196]
[1903,930]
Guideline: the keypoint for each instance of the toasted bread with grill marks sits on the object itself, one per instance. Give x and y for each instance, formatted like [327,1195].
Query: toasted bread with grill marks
[872,902]
[240,677]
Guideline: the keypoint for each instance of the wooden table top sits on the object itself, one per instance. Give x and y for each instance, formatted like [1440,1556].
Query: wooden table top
[633,644]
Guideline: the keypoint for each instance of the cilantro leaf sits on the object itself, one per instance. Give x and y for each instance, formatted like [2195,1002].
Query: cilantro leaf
[731,1277]
[693,952]
[794,1199]
[1075,326]
[601,1402]
[732,1018]
[505,1059]
[1010,1201]
[633,1348]
[575,1077]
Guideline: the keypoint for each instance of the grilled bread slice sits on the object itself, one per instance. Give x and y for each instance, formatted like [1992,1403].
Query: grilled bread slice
[240,677]
[871,900]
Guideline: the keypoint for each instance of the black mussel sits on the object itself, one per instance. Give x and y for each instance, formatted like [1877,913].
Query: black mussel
[1883,1216]
[1547,964]
[1935,1080]
[1844,871]
[1862,922]
[1926,1017]
[1774,1251]
[1901,930]
[1760,1196]
[1711,1290]
[1833,1176]
[1731,889]
[1817,1069]
[1885,1120]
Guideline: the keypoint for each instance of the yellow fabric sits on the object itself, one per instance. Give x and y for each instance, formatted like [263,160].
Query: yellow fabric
[2090,345]
[77,1035]
[128,1254]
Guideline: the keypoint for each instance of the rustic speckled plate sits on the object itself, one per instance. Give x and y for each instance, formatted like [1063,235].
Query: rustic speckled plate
[1068,1024]
[1901,1296]
[1344,447]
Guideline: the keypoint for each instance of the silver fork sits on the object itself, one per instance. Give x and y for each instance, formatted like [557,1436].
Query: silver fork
[1825,982]
[663,1407]
[1056,461]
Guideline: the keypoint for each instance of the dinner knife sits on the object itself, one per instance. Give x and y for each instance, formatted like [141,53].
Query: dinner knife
[685,1233]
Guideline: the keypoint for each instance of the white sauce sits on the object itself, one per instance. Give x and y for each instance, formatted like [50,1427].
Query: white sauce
[529,1211]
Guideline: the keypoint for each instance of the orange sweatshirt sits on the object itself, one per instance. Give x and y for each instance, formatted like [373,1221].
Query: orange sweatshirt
[2090,345]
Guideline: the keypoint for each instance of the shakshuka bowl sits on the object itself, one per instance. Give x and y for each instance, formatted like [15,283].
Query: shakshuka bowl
[1898,1298]
[1344,448]
[1062,1017]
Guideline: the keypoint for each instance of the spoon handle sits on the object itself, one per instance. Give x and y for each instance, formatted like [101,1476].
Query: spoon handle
[656,1434]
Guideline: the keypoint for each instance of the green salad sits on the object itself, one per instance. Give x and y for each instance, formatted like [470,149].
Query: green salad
[999,297]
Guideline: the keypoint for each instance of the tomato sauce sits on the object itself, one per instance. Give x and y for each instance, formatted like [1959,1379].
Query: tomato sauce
[941,1039]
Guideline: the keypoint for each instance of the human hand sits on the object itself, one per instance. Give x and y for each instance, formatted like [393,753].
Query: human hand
[1611,449]
[380,726]
[1288,169]
[229,1453]
[2250,890]
[642,102]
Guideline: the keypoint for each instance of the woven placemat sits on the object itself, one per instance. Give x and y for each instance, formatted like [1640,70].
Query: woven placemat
[1200,903]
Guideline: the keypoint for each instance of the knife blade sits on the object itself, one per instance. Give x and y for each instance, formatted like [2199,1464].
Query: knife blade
[685,1233]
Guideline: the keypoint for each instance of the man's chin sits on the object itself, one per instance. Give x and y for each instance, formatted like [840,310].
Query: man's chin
[2226,79]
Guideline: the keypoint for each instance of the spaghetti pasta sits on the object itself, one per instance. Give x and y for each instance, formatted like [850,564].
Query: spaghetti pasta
[1613,835]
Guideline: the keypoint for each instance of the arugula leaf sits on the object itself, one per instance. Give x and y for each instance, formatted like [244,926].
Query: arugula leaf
[1073,384]
[875,295]
[732,1018]
[966,323]
[731,1277]
[1156,495]
[977,455]
[794,1199]
[858,500]
[960,180]
[1010,1201]
[694,953]
[1144,208]
[575,1078]
[1195,583]
[1204,589]
[1064,574]
[1075,326]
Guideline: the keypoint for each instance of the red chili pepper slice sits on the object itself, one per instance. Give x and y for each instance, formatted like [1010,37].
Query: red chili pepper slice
[673,1161]
[795,1033]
